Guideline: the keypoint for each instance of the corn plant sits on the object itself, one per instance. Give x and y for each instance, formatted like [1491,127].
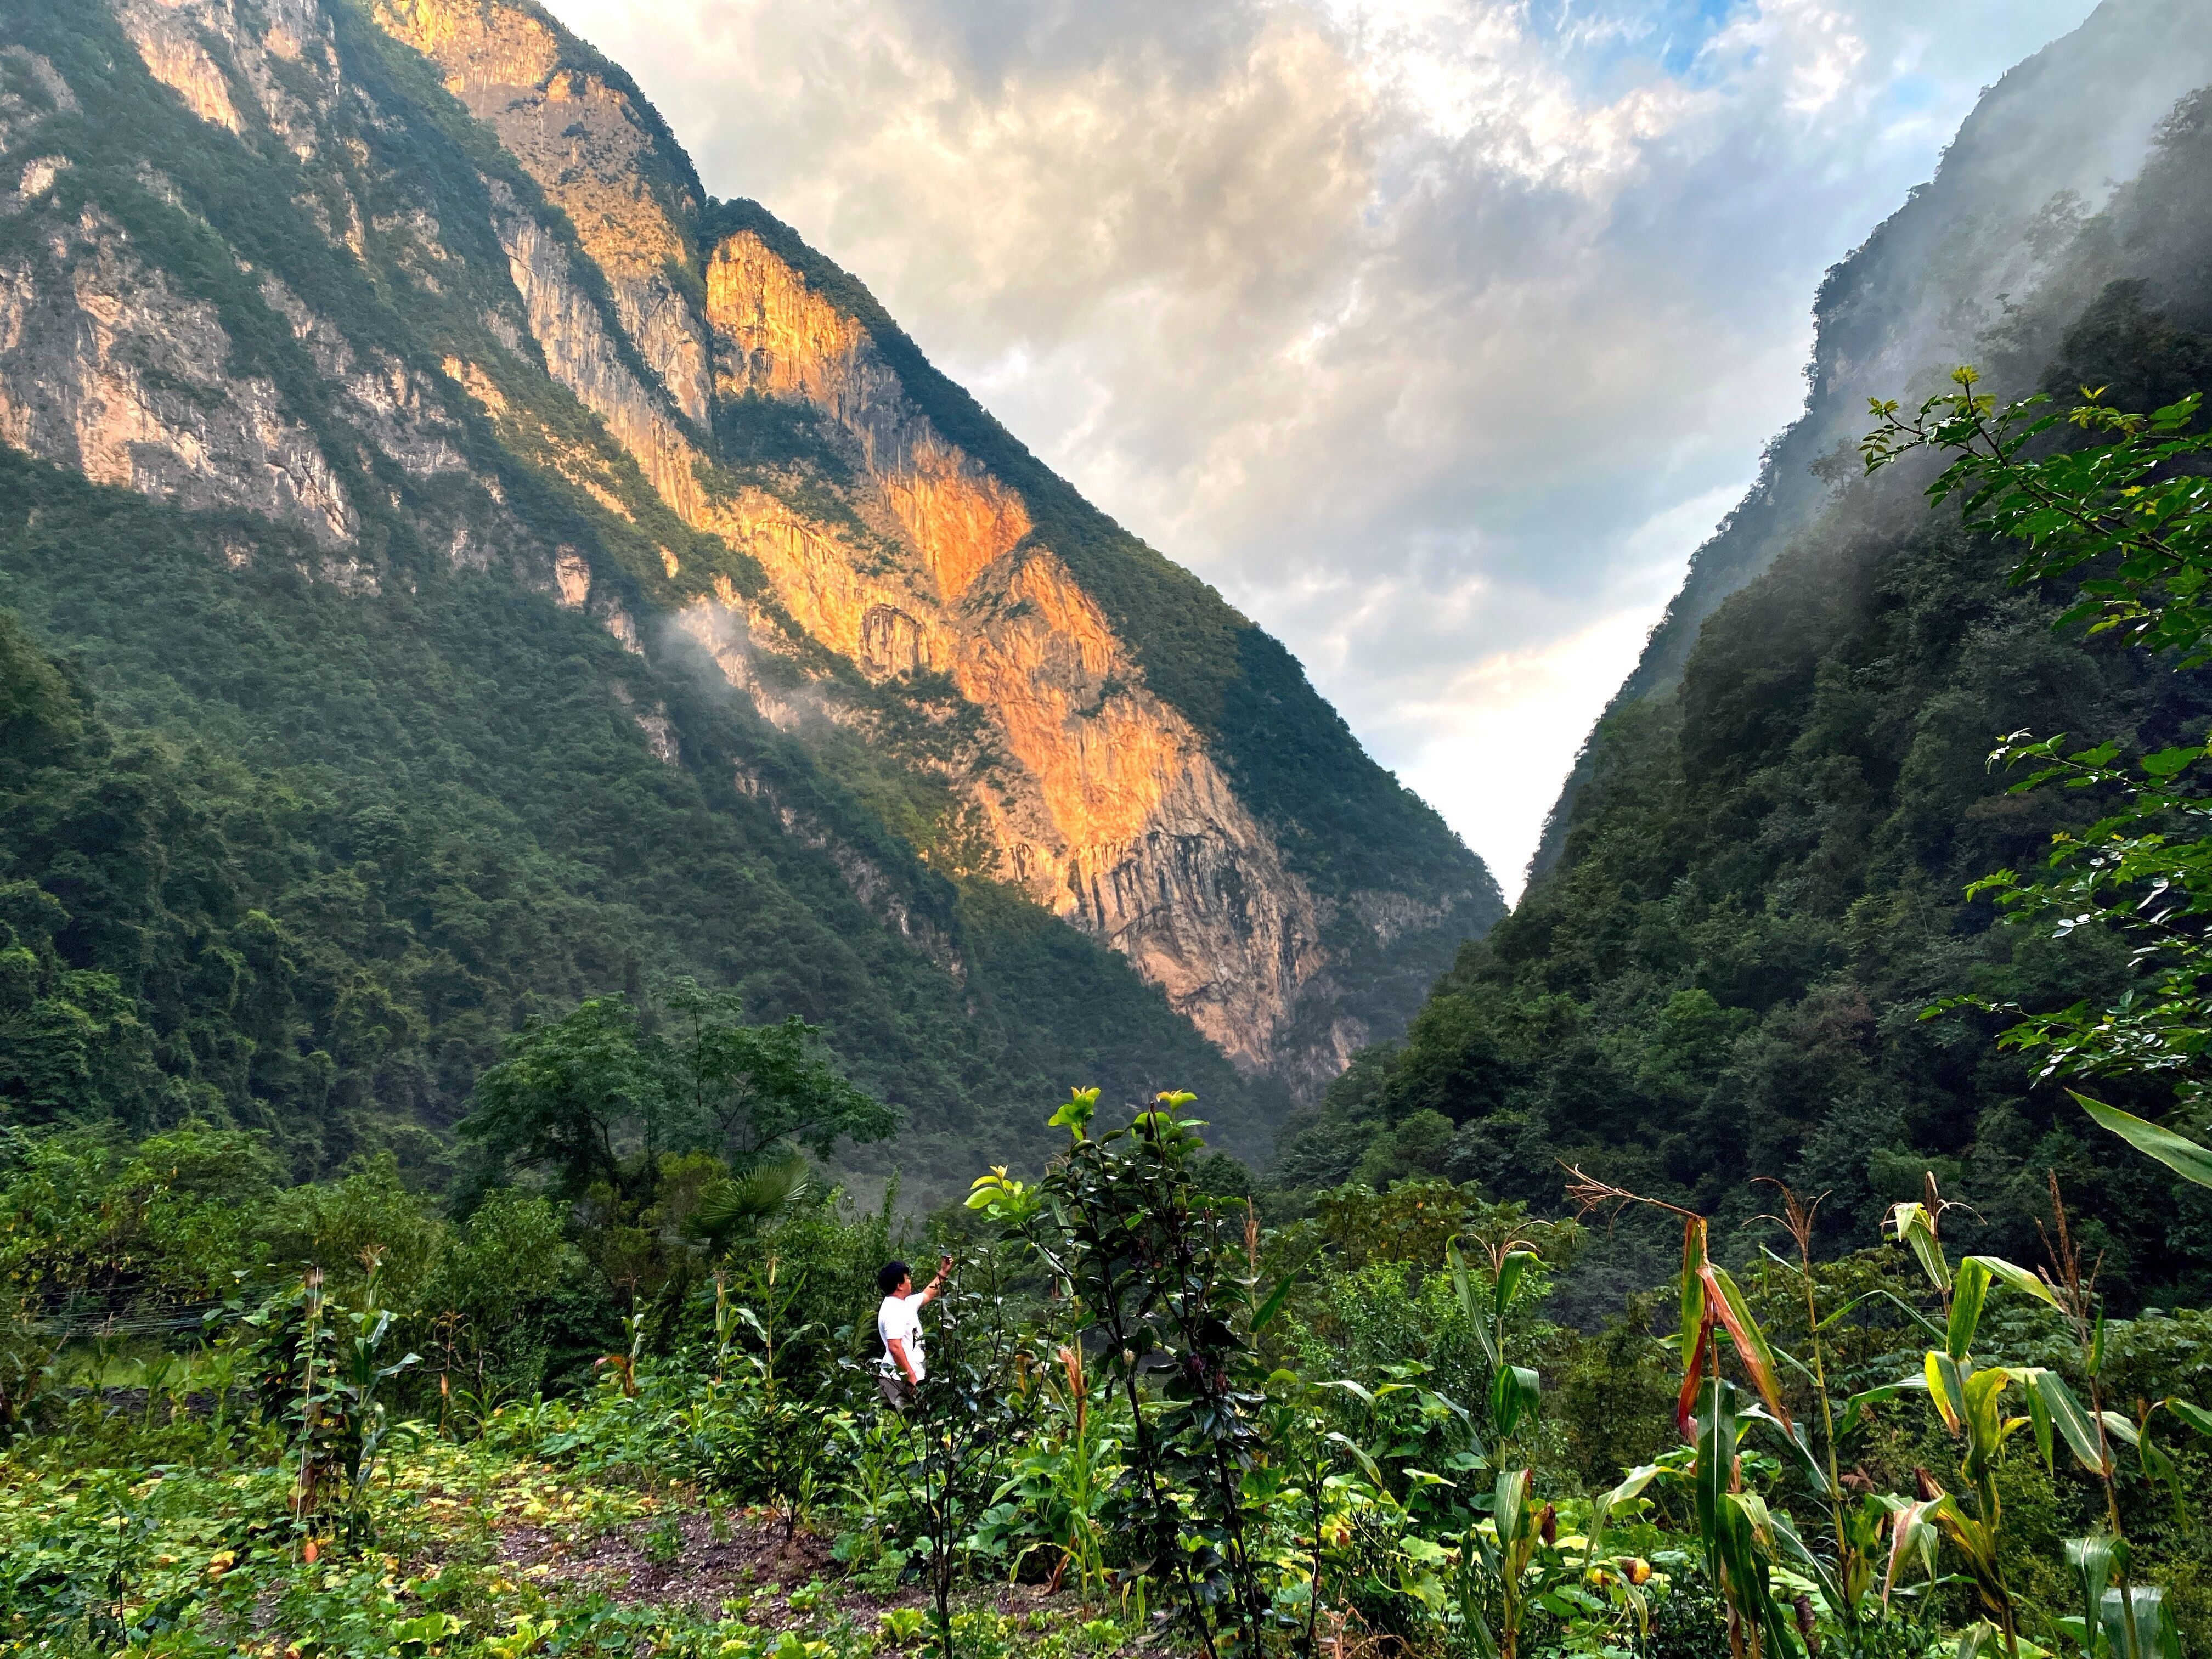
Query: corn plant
[1066,1478]
[781,1437]
[1742,1539]
[339,1416]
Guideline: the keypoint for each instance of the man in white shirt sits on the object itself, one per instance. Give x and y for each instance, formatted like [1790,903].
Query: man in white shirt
[898,1322]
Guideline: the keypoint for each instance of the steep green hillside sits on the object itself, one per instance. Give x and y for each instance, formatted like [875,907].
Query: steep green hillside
[1970,268]
[299,860]
[1761,883]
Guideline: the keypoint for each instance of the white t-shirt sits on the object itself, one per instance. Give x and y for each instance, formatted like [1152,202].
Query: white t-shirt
[899,1319]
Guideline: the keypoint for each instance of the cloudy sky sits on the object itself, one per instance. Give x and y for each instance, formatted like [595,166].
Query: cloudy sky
[1435,333]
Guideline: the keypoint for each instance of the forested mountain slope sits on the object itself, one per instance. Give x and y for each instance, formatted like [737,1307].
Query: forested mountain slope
[483,569]
[1760,884]
[1957,274]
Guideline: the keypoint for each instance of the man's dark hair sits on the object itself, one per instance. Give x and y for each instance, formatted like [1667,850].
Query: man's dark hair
[893,1274]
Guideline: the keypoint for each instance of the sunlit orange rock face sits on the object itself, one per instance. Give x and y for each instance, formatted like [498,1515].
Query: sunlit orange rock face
[1116,817]
[1101,802]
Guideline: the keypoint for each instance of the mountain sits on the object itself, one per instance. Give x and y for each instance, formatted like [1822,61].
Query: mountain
[394,422]
[1759,885]
[1952,276]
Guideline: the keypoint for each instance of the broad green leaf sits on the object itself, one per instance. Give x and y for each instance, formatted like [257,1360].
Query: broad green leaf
[2015,1276]
[2071,1421]
[2186,1159]
[1969,1290]
[1274,1305]
[2169,761]
[1076,1112]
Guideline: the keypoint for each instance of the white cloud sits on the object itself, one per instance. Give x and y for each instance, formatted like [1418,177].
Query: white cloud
[1436,333]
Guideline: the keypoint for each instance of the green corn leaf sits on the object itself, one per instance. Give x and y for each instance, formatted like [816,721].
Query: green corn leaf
[1626,1491]
[2015,1276]
[2091,1559]
[1514,1392]
[1463,1288]
[1793,1546]
[1796,1450]
[2071,1421]
[1510,1272]
[2038,1416]
[1947,1386]
[1914,1226]
[1855,1406]
[2195,1416]
[1969,1291]
[2158,1468]
[1373,1470]
[1274,1305]
[2143,1608]
[1933,1330]
[1508,1505]
[2186,1159]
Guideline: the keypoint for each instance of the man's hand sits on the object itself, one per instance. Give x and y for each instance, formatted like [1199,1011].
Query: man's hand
[944,1268]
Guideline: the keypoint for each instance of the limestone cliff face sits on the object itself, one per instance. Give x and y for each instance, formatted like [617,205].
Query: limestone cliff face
[596,156]
[105,367]
[576,317]
[1114,814]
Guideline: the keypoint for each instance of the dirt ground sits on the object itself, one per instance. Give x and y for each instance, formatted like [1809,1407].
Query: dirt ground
[752,1561]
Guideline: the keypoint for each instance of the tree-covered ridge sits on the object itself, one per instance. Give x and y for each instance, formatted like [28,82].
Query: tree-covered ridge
[1763,882]
[1982,264]
[319,854]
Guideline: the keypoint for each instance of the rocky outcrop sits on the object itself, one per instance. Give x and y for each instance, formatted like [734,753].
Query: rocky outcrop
[1108,807]
[597,156]
[103,367]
